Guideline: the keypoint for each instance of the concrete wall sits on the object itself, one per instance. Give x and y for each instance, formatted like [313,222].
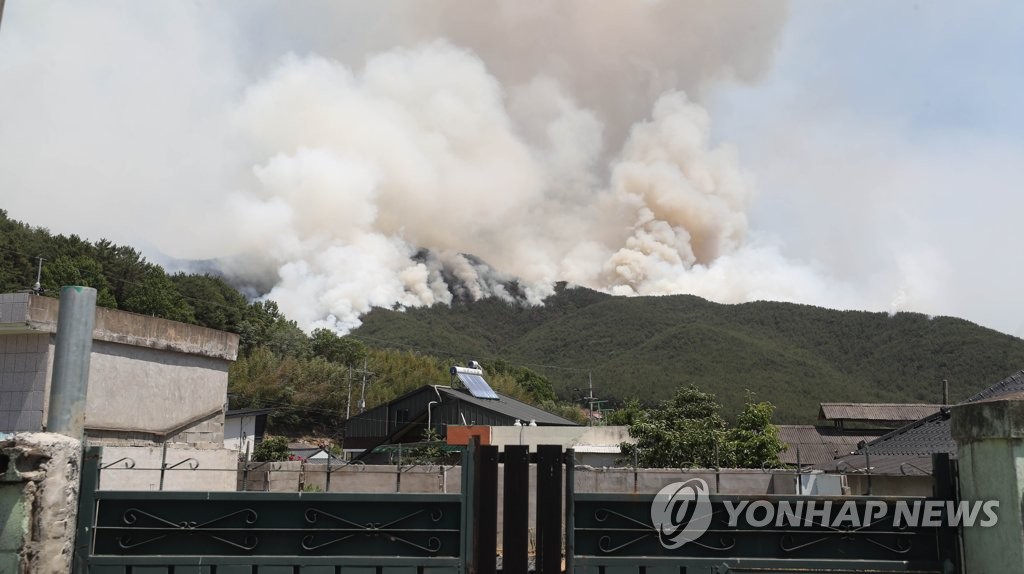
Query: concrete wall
[990,439]
[891,485]
[150,380]
[138,468]
[567,437]
[139,389]
[24,374]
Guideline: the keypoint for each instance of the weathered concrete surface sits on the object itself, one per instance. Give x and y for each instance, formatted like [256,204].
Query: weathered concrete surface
[39,314]
[150,380]
[40,488]
[139,469]
[990,435]
[135,389]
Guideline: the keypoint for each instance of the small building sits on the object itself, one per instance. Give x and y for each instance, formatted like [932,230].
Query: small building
[468,401]
[812,446]
[244,428]
[873,415]
[905,455]
[151,381]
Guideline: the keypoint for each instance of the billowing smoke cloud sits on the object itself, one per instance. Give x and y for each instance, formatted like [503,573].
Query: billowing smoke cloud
[414,152]
[418,150]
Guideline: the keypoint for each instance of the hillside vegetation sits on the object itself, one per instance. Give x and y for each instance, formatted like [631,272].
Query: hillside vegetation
[645,347]
[304,378]
[793,355]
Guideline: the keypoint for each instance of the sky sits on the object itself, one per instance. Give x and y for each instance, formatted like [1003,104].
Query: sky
[337,156]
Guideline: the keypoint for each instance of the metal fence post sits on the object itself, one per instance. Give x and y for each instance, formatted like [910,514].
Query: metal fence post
[570,517]
[549,509]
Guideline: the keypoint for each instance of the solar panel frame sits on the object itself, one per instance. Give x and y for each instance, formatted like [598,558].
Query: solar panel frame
[477,386]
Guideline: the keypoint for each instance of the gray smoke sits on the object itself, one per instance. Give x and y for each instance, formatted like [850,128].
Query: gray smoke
[342,156]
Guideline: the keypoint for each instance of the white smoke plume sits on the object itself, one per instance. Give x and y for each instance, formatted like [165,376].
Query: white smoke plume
[401,154]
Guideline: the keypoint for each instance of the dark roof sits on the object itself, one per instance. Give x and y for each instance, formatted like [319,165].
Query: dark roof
[925,437]
[509,407]
[876,411]
[932,434]
[1010,385]
[247,412]
[821,444]
[898,465]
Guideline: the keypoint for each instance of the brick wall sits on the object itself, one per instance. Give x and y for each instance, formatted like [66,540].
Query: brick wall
[23,365]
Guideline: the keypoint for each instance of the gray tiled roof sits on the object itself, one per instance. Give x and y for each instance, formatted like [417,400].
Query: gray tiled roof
[509,407]
[932,434]
[821,444]
[893,464]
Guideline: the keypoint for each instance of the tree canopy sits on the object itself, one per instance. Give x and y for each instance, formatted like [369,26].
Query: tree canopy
[688,431]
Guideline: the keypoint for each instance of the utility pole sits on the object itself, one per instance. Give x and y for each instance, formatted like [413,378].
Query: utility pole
[1,11]
[362,392]
[38,287]
[348,401]
[590,398]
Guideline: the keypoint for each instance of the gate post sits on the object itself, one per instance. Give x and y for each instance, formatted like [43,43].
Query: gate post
[485,503]
[570,516]
[549,509]
[515,539]
[90,478]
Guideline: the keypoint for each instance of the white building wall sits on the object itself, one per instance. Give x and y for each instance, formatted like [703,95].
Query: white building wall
[240,434]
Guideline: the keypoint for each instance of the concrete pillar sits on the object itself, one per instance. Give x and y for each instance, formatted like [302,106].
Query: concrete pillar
[990,437]
[71,353]
[39,489]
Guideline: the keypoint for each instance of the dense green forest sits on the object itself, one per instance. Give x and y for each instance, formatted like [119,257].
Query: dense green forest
[793,355]
[644,347]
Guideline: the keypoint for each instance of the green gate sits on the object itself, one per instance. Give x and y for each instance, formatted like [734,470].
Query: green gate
[261,532]
[616,534]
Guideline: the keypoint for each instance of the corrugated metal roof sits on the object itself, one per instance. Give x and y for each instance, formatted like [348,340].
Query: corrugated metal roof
[821,444]
[887,412]
[509,407]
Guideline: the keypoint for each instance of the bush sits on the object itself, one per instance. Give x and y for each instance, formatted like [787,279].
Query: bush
[272,449]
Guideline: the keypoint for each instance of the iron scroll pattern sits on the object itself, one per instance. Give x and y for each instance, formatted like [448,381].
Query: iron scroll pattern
[318,525]
[607,525]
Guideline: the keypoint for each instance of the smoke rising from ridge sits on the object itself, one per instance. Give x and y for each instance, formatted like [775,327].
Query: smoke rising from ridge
[364,156]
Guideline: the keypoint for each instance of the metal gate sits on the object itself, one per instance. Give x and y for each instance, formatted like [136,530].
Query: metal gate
[615,534]
[266,532]
[262,532]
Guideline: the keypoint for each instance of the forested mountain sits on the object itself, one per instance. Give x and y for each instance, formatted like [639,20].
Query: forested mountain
[793,355]
[645,347]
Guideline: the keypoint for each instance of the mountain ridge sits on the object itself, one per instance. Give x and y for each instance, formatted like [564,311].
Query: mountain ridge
[794,355]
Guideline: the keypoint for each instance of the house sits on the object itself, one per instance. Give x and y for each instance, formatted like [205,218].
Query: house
[873,415]
[468,401]
[151,381]
[843,427]
[811,446]
[908,451]
[244,428]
